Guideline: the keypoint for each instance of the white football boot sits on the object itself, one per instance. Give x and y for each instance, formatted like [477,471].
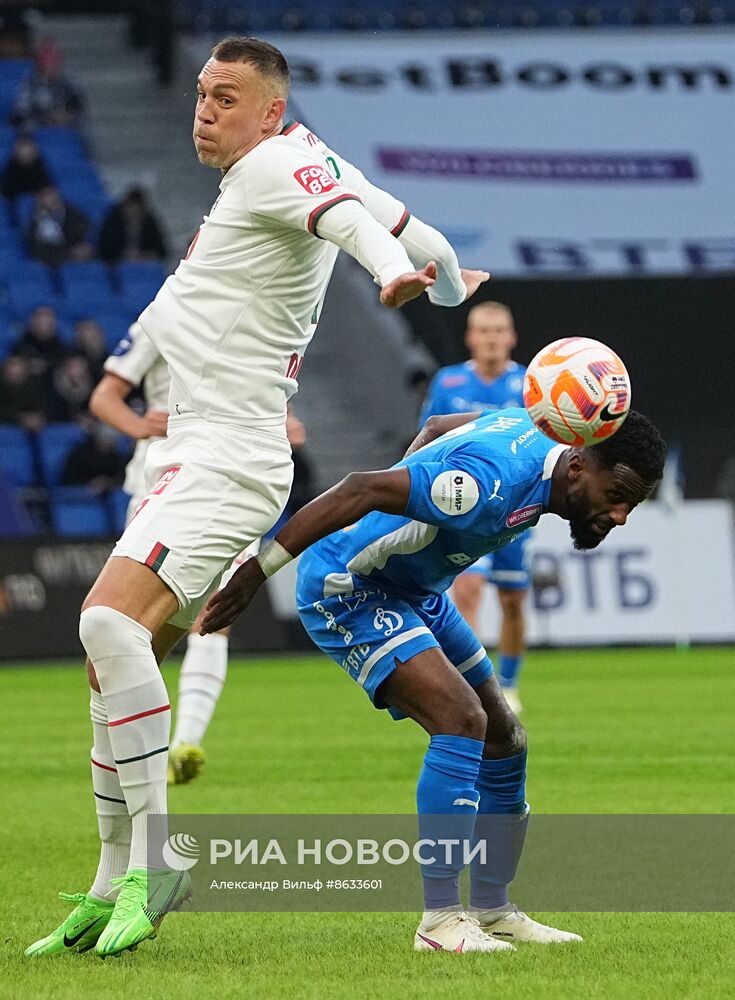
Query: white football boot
[510,924]
[454,930]
[511,696]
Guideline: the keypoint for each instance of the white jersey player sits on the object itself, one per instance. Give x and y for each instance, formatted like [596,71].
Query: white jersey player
[136,362]
[232,323]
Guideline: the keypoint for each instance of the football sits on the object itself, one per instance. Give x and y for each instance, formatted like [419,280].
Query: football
[577,391]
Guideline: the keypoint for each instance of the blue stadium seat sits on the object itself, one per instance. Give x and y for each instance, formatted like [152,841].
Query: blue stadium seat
[137,271]
[12,74]
[77,511]
[17,458]
[87,289]
[54,141]
[118,501]
[22,211]
[7,139]
[54,443]
[12,258]
[15,521]
[25,295]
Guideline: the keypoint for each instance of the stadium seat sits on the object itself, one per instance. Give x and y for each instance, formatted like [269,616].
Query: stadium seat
[133,272]
[26,295]
[54,444]
[118,501]
[12,74]
[17,458]
[54,141]
[15,521]
[86,288]
[77,511]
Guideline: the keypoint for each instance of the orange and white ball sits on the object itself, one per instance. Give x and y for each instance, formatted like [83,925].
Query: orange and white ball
[577,391]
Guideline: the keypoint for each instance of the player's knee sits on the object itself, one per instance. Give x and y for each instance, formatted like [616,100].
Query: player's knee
[507,741]
[467,718]
[105,632]
[511,603]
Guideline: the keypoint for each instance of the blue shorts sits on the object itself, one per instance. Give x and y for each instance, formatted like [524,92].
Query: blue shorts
[507,568]
[367,631]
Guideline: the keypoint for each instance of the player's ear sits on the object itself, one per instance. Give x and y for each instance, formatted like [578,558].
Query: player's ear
[575,465]
[276,110]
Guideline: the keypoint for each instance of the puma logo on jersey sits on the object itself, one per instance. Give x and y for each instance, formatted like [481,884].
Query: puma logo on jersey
[495,495]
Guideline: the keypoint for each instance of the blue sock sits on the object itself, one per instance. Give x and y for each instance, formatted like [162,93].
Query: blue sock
[509,668]
[446,798]
[502,821]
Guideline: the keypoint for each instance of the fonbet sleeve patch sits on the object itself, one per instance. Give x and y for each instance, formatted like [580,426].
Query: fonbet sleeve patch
[454,492]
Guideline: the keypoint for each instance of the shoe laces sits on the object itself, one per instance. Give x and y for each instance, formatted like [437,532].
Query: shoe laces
[73,897]
[129,899]
[472,931]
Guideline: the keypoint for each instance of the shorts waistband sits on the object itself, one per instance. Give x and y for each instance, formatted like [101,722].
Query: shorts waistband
[273,433]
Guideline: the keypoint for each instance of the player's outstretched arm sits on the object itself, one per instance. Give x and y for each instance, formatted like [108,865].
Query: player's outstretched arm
[453,284]
[356,495]
[437,425]
[108,405]
[351,227]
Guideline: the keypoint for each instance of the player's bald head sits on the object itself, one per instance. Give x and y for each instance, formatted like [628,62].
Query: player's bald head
[267,61]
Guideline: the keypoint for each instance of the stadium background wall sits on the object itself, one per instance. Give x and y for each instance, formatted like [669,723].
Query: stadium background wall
[43,584]
[675,334]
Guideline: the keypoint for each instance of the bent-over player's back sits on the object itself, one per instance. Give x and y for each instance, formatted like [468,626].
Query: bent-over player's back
[472,491]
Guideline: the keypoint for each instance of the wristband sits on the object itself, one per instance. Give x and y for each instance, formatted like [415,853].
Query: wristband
[273,557]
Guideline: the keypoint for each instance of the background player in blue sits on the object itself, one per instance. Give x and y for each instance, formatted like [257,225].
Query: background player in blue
[490,380]
[385,547]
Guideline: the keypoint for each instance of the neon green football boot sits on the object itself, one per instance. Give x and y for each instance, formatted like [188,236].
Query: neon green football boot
[80,930]
[185,762]
[145,899]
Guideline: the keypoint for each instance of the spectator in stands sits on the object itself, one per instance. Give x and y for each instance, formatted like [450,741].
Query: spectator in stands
[22,397]
[95,462]
[89,340]
[131,231]
[15,31]
[40,343]
[57,230]
[25,171]
[71,387]
[47,97]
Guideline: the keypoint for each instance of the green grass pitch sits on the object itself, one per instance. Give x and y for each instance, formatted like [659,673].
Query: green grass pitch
[610,731]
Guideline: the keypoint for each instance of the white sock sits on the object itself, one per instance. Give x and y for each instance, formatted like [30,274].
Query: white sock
[202,677]
[113,818]
[138,711]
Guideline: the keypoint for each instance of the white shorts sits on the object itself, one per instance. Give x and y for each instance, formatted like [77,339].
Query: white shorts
[217,490]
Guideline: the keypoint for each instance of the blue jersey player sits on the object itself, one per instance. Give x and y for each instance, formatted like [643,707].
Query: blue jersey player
[372,593]
[490,380]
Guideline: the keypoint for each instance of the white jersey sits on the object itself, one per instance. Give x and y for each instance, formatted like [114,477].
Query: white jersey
[137,360]
[234,320]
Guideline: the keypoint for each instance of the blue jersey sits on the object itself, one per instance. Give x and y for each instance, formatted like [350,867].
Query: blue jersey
[473,490]
[460,389]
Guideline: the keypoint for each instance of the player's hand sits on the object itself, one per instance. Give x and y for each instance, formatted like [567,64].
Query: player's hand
[155,423]
[473,279]
[408,286]
[295,431]
[224,606]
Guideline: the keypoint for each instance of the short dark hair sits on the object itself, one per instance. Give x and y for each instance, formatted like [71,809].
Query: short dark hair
[637,444]
[267,59]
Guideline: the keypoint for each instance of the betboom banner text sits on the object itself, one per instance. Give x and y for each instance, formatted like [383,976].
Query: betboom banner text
[540,153]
